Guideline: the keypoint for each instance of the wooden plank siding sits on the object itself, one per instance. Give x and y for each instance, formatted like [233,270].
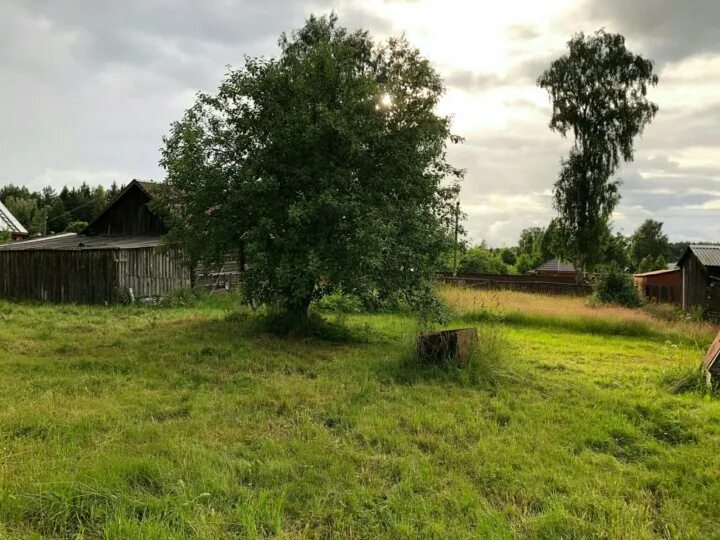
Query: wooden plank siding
[559,285]
[713,304]
[101,276]
[88,277]
[150,273]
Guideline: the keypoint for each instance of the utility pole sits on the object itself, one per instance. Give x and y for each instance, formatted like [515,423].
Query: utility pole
[457,218]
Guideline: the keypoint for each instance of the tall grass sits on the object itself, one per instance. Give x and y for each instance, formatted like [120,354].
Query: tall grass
[194,421]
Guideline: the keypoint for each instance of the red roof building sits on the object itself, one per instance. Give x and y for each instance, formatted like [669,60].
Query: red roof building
[661,285]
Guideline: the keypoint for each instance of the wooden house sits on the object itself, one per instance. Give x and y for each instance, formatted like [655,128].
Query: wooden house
[701,279]
[660,285]
[555,267]
[10,224]
[114,259]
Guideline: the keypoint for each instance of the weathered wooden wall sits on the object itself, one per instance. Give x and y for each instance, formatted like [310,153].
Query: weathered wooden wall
[713,298]
[129,215]
[149,273]
[695,283]
[225,276]
[661,287]
[88,277]
[519,282]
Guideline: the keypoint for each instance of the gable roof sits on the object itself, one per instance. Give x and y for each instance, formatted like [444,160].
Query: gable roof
[78,242]
[658,272]
[8,222]
[707,255]
[556,265]
[146,187]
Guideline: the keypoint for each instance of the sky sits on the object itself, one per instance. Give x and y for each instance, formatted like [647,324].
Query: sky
[88,88]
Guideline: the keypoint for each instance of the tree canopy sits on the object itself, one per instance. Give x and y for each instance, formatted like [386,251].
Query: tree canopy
[328,164]
[598,92]
[649,243]
[47,211]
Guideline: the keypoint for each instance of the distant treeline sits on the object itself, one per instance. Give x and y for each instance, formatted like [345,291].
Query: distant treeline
[48,211]
[647,249]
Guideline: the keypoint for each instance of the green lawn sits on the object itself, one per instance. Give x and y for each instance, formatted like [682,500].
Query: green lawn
[191,422]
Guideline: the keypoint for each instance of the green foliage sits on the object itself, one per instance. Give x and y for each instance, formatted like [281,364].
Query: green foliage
[328,163]
[508,256]
[524,263]
[615,248]
[26,211]
[77,204]
[481,259]
[5,237]
[650,263]
[535,246]
[598,92]
[185,297]
[339,302]
[649,244]
[76,226]
[611,284]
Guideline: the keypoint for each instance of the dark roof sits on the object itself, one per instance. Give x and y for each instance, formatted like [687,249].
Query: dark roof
[707,255]
[145,187]
[8,222]
[556,265]
[658,272]
[80,242]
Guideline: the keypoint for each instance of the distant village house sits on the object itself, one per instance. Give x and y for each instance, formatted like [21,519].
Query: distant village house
[701,279]
[9,223]
[555,267]
[660,285]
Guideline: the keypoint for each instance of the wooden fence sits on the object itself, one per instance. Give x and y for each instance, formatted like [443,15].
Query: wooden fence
[519,282]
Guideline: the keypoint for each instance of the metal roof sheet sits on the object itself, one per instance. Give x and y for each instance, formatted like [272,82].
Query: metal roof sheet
[657,272]
[79,242]
[707,255]
[8,222]
[555,265]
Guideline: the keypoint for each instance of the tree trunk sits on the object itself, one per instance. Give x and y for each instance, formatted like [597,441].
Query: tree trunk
[579,272]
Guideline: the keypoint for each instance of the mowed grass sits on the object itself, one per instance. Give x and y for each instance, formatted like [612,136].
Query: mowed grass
[193,422]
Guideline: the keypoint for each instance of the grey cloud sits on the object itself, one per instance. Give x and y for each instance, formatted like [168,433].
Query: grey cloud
[670,29]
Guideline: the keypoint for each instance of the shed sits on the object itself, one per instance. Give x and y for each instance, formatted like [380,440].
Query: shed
[113,258]
[701,279]
[555,267]
[661,285]
[9,223]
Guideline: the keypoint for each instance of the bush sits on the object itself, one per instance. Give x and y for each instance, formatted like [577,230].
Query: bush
[339,302]
[481,259]
[611,284]
[185,297]
[76,226]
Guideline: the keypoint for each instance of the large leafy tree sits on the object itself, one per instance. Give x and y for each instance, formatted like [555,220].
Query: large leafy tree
[649,242]
[328,164]
[598,92]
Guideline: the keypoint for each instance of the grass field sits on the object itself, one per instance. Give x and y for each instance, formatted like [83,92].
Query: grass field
[135,422]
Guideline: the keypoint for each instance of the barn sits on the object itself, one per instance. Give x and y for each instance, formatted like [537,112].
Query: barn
[10,224]
[701,279]
[660,285]
[113,259]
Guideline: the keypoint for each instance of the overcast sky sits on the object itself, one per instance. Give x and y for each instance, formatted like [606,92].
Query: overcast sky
[88,88]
